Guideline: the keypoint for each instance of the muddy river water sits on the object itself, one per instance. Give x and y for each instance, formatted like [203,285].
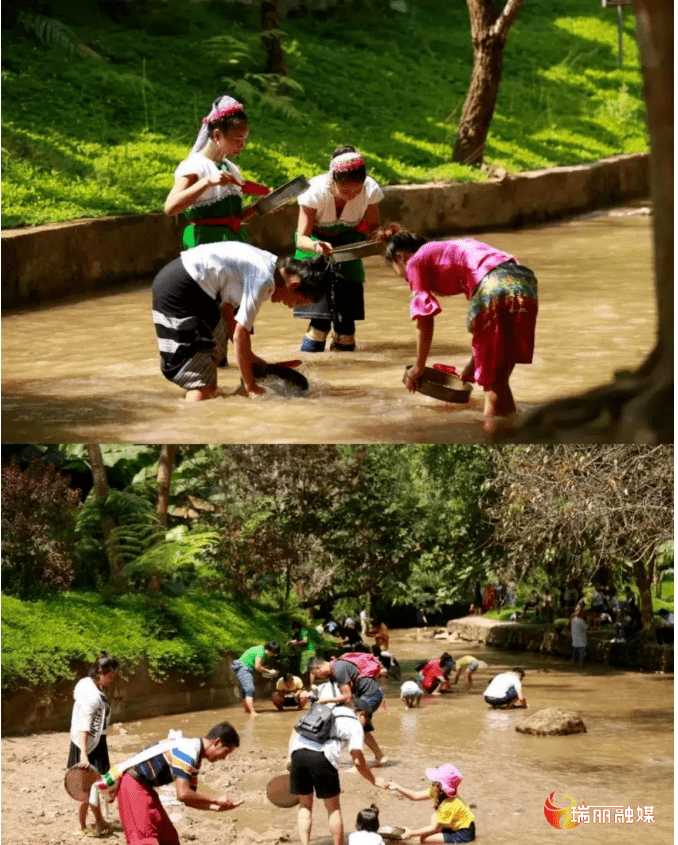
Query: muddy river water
[625,759]
[87,369]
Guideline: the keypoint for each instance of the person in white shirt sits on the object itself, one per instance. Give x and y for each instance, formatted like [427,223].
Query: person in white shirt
[411,693]
[505,690]
[89,728]
[578,628]
[208,187]
[338,208]
[194,295]
[314,767]
[367,828]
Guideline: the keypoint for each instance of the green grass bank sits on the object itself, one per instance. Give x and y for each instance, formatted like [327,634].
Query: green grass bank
[186,634]
[101,135]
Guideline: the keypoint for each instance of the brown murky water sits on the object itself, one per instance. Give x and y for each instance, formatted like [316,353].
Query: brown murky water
[86,370]
[624,759]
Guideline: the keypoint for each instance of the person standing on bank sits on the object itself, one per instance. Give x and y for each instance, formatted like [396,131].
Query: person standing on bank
[339,207]
[251,661]
[208,187]
[89,727]
[194,298]
[315,766]
[578,628]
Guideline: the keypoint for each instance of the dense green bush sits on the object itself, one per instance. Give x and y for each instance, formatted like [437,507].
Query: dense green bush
[185,635]
[86,137]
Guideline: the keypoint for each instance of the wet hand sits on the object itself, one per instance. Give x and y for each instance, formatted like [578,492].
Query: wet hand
[226,802]
[414,375]
[467,374]
[406,834]
[255,390]
[323,248]
[381,783]
[83,763]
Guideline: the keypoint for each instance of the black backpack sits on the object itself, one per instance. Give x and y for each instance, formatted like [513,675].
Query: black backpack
[317,724]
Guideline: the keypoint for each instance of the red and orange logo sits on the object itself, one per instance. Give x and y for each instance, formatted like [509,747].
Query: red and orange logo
[560,817]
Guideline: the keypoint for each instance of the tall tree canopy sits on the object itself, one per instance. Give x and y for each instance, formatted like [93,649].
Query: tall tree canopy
[576,509]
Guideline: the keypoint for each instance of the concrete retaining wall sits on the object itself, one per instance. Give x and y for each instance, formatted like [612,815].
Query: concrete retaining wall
[135,697]
[49,262]
[633,655]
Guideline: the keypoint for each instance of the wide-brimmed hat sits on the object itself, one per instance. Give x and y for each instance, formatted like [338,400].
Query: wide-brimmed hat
[447,776]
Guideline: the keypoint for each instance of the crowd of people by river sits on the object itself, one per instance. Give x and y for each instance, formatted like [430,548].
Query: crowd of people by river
[338,694]
[212,292]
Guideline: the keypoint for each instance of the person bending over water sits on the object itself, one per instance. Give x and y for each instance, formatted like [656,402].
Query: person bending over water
[452,820]
[189,321]
[502,311]
[338,208]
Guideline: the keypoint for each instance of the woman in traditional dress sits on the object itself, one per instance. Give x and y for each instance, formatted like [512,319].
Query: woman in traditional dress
[339,207]
[208,187]
[502,311]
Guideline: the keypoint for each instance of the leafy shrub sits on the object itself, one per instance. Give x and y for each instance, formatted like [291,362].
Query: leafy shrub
[38,509]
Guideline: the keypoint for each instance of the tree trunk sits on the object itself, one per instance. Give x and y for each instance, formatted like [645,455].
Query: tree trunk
[101,489]
[489,32]
[164,479]
[643,579]
[275,55]
[639,408]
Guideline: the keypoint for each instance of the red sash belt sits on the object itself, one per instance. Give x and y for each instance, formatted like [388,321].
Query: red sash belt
[232,221]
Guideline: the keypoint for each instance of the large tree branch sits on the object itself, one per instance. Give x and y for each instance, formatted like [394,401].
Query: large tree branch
[500,28]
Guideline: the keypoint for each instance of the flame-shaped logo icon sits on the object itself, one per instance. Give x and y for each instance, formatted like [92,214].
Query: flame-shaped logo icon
[560,817]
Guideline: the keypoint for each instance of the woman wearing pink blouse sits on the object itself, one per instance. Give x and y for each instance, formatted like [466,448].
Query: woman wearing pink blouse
[502,311]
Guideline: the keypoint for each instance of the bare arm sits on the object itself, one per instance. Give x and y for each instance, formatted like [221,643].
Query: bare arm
[419,795]
[307,218]
[258,662]
[187,189]
[204,802]
[423,832]
[245,358]
[344,696]
[360,763]
[424,340]
[82,742]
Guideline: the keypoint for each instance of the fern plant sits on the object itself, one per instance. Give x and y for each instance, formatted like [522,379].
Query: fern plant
[55,34]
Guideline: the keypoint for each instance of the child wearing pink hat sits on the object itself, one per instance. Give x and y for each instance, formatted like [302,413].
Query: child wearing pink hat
[452,820]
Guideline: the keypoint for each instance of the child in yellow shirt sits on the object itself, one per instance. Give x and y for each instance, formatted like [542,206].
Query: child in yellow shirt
[452,820]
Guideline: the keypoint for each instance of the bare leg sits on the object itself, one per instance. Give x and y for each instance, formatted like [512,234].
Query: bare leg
[199,394]
[248,704]
[373,745]
[304,818]
[499,400]
[82,814]
[334,820]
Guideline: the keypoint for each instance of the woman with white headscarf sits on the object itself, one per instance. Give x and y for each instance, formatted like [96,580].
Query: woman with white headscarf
[208,187]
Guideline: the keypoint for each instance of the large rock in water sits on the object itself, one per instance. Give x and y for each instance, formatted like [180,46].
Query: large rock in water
[552,722]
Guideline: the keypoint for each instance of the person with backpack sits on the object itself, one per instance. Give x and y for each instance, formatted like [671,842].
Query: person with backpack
[355,676]
[314,749]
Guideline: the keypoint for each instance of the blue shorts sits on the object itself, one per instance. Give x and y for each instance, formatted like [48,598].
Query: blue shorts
[245,677]
[464,834]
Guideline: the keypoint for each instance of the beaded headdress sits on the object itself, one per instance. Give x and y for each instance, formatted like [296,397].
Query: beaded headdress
[346,161]
[221,107]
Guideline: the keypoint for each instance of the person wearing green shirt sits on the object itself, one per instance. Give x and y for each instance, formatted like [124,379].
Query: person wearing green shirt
[303,641]
[249,662]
